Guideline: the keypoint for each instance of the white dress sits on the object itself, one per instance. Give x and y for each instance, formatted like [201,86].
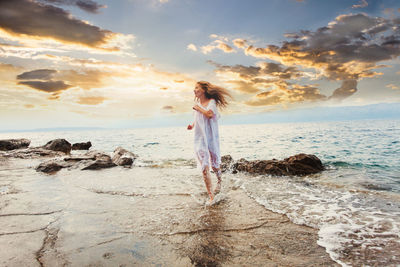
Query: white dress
[206,137]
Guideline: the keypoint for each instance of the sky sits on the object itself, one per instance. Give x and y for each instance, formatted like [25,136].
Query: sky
[132,63]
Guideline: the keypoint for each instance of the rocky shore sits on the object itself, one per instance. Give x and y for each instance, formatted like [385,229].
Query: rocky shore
[139,216]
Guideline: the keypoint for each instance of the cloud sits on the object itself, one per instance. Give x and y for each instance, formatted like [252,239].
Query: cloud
[362,4]
[348,48]
[192,47]
[217,44]
[38,20]
[224,47]
[348,88]
[47,86]
[393,87]
[240,43]
[169,108]
[53,81]
[41,74]
[91,100]
[287,94]
[86,5]
[258,74]
[269,82]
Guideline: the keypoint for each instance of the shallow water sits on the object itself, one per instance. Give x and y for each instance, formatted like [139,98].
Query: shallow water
[354,204]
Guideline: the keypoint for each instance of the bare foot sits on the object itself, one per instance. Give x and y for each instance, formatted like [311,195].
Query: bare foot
[217,188]
[211,198]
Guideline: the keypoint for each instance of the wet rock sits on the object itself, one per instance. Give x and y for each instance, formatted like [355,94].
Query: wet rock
[58,145]
[226,162]
[101,161]
[34,152]
[123,157]
[11,144]
[300,164]
[82,146]
[50,166]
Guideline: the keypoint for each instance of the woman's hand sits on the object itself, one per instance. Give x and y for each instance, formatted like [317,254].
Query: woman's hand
[190,127]
[197,107]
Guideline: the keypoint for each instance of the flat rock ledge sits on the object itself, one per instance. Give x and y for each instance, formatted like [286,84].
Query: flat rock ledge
[59,150]
[10,144]
[92,160]
[299,165]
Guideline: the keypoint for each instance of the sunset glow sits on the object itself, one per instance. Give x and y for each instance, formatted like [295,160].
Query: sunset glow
[106,63]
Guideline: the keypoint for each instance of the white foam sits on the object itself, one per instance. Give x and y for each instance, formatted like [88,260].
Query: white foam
[348,222]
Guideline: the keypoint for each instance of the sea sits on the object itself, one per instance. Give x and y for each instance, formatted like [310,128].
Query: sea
[354,204]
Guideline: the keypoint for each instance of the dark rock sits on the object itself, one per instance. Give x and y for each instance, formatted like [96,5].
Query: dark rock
[123,157]
[81,146]
[301,164]
[10,144]
[58,145]
[226,162]
[50,167]
[101,161]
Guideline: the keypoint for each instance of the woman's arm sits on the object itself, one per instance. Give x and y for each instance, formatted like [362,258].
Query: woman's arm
[208,113]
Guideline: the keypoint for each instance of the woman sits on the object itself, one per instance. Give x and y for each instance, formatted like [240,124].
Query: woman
[206,136]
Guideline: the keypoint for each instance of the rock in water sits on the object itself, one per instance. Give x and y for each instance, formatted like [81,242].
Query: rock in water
[50,167]
[226,162]
[303,164]
[123,157]
[58,145]
[82,146]
[10,144]
[102,161]
[300,164]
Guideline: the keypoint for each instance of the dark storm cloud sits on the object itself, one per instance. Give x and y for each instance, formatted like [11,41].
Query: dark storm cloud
[27,17]
[86,5]
[41,74]
[47,86]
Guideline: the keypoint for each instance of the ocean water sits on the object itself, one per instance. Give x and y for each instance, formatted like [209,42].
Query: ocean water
[354,203]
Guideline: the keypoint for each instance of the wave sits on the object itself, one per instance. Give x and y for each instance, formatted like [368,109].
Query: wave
[350,224]
[357,165]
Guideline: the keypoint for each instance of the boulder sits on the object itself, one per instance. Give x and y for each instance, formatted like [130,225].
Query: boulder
[82,146]
[101,161]
[226,162]
[301,164]
[123,157]
[58,145]
[51,166]
[11,144]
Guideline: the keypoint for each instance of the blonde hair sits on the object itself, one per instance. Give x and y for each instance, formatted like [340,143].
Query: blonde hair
[215,92]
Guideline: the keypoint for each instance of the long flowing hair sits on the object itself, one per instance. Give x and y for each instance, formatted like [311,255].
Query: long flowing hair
[215,92]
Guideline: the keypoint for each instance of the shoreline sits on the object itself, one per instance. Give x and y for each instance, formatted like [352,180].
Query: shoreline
[141,216]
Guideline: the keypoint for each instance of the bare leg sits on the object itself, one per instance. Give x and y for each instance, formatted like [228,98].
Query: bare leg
[219,180]
[207,181]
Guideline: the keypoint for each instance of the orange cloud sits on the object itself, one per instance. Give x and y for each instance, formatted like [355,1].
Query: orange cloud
[91,100]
